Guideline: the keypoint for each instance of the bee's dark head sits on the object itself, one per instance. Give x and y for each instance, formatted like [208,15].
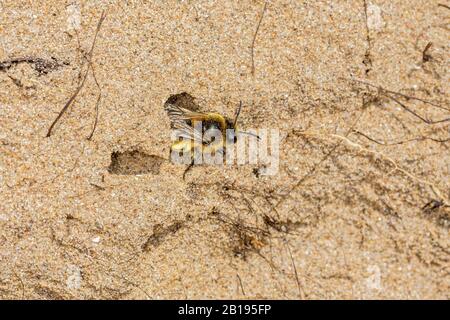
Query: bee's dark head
[231,131]
[230,123]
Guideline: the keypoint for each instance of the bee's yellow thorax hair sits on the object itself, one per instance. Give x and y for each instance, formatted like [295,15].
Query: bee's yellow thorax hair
[213,117]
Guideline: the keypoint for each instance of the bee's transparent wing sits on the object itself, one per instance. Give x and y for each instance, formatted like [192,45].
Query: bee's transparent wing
[180,119]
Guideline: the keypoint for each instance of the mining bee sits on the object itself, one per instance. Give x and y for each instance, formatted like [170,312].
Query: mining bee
[192,127]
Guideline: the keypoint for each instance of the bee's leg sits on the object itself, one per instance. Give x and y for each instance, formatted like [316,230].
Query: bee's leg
[195,152]
[188,168]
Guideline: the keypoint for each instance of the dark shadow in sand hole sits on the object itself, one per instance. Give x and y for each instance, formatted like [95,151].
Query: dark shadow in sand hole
[183,100]
[134,162]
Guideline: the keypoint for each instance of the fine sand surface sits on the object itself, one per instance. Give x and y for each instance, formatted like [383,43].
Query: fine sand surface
[359,207]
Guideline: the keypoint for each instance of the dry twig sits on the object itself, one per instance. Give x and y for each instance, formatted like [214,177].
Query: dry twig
[400,142]
[300,289]
[240,284]
[89,67]
[254,37]
[396,166]
[315,167]
[384,91]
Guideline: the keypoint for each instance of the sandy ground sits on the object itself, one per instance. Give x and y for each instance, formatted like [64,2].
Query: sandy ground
[111,218]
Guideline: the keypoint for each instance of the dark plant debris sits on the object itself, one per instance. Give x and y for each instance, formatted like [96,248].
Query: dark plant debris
[432,205]
[41,65]
[160,233]
[243,238]
[425,55]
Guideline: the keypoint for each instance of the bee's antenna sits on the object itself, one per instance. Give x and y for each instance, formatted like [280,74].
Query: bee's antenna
[250,134]
[238,111]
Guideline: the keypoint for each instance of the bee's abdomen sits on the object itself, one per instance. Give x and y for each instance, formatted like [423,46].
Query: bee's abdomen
[211,125]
